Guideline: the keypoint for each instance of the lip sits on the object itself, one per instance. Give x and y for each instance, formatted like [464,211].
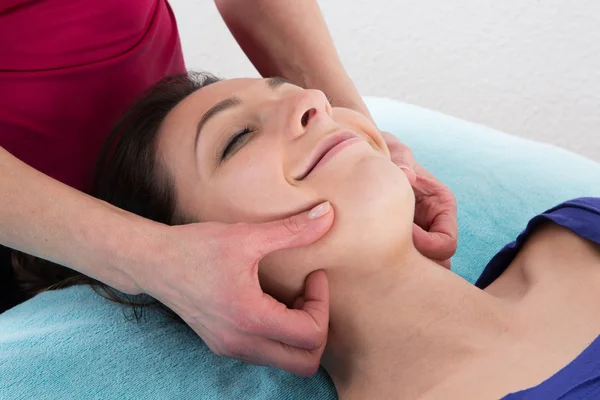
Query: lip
[328,147]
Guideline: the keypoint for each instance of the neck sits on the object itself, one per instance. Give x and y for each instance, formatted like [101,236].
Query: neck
[402,328]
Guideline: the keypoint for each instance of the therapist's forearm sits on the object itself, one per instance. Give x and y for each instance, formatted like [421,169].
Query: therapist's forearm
[290,39]
[45,218]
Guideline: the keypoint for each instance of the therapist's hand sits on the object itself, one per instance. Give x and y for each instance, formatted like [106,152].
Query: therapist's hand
[435,229]
[214,288]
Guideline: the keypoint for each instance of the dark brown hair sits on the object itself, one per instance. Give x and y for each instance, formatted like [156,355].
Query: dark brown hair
[129,176]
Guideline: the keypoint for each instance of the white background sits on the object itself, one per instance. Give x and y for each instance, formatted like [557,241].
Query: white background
[526,67]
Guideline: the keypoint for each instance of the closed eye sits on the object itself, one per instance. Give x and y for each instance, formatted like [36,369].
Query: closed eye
[235,142]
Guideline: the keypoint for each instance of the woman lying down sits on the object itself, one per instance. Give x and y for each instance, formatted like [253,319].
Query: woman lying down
[253,150]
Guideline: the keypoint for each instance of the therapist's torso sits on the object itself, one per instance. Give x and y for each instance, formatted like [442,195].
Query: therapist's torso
[69,69]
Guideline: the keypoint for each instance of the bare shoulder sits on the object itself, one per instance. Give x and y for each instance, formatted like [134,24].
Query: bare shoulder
[560,248]
[553,257]
[562,266]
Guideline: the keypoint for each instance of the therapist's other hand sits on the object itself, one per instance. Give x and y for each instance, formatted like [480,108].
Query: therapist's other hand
[210,279]
[435,230]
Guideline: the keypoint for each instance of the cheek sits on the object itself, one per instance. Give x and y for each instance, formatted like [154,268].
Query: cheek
[250,188]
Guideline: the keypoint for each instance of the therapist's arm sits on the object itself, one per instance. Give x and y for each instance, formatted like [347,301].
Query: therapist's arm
[47,219]
[290,39]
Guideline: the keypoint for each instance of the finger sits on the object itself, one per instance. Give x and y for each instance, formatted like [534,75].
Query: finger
[446,224]
[279,355]
[445,263]
[298,303]
[440,242]
[427,184]
[295,231]
[398,151]
[305,328]
[401,155]
[389,138]
[410,174]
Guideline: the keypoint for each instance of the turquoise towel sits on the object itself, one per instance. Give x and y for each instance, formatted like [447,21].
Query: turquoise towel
[73,344]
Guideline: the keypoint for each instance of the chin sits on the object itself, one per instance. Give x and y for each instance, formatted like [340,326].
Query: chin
[374,203]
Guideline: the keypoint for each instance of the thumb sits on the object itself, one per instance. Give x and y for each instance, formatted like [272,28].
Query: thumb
[298,230]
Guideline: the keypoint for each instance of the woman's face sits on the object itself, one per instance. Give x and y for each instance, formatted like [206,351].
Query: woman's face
[256,150]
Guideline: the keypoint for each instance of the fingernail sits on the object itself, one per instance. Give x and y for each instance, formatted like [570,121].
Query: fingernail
[406,168]
[319,210]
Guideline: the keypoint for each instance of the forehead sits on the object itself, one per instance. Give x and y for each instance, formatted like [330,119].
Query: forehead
[179,126]
[196,104]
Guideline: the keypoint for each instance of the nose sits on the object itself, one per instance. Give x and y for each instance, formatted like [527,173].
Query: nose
[306,109]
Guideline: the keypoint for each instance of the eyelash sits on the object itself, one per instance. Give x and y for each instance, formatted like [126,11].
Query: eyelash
[234,140]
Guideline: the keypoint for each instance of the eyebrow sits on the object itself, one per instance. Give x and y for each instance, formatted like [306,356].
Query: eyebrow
[231,102]
[276,81]
[221,106]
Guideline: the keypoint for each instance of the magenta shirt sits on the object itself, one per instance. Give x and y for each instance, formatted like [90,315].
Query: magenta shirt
[69,69]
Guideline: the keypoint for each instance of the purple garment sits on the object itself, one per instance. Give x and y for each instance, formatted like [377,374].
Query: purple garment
[580,379]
